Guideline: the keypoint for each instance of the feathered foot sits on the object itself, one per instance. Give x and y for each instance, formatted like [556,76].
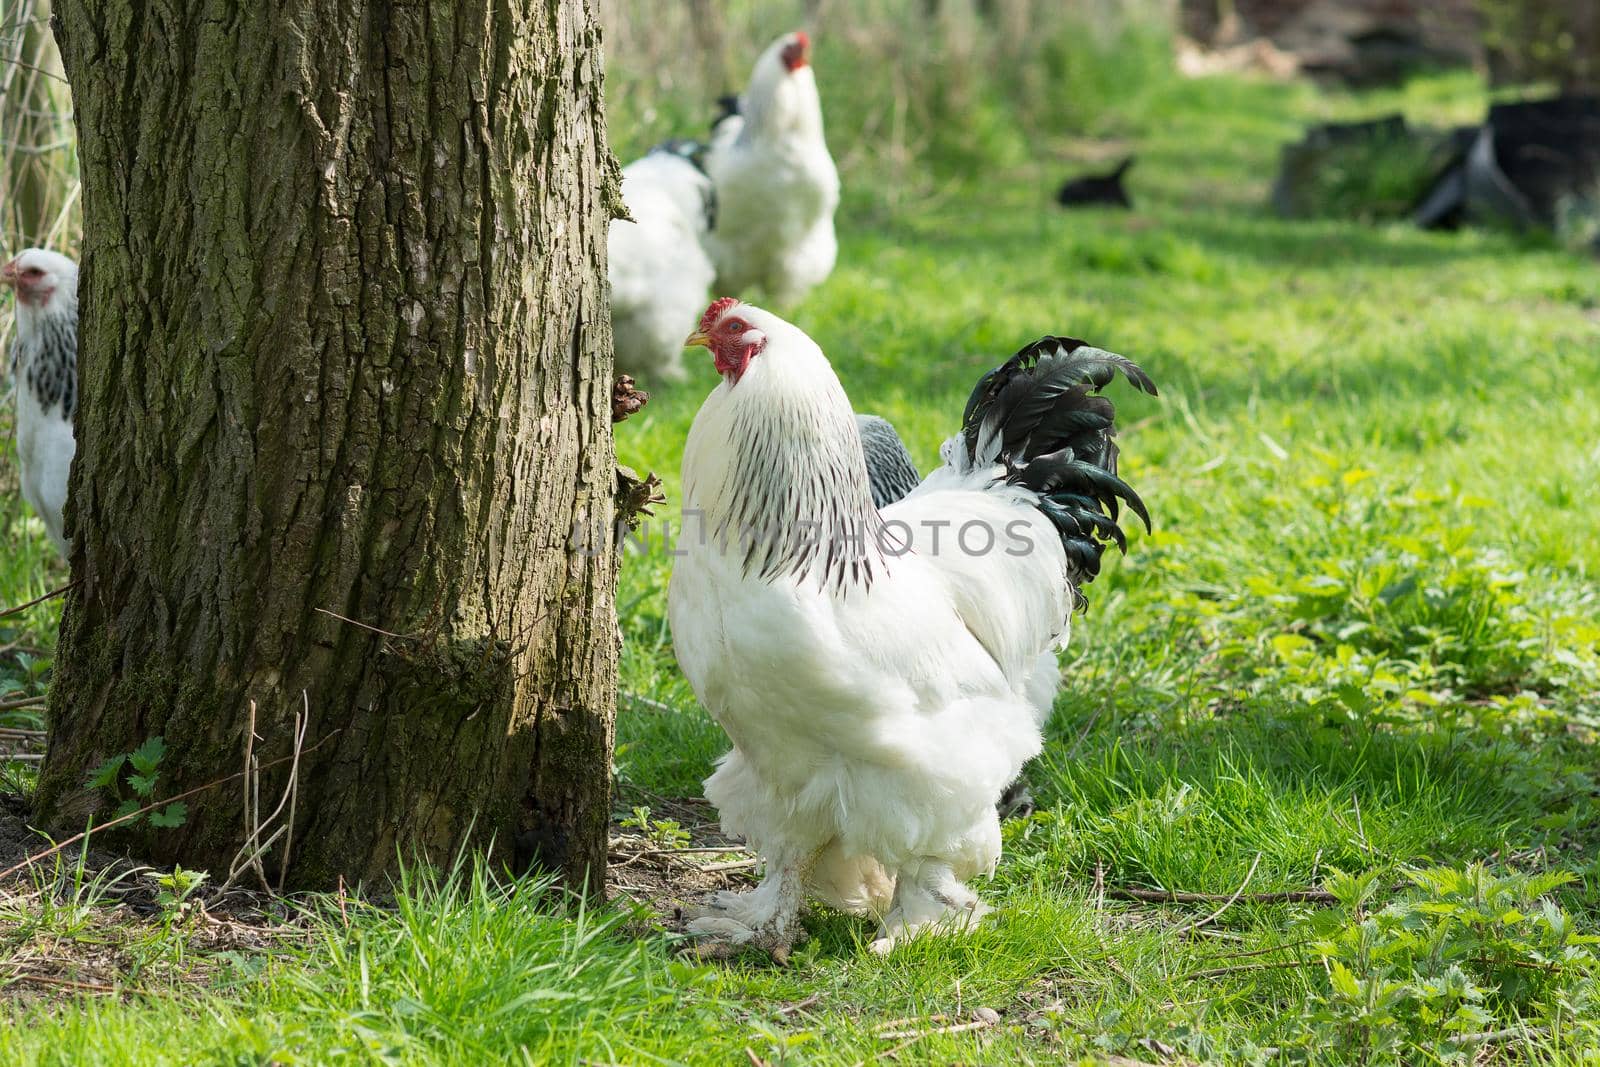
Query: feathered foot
[928,898]
[765,918]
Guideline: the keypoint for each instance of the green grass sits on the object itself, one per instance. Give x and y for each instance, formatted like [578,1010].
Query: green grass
[29,568]
[1359,652]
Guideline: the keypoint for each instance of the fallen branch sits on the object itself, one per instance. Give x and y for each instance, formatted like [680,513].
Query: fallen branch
[23,702]
[685,851]
[1168,896]
[250,852]
[63,983]
[734,865]
[983,1018]
[1218,972]
[1251,873]
[800,1005]
[953,1028]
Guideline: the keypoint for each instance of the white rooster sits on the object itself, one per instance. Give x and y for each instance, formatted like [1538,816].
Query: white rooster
[657,266]
[44,368]
[883,675]
[776,184]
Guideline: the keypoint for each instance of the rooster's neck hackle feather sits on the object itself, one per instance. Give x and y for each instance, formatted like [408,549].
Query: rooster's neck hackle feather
[775,468]
[44,356]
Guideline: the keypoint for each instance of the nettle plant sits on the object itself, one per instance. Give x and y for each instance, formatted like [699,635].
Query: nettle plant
[662,833]
[1398,623]
[1458,955]
[131,779]
[1425,594]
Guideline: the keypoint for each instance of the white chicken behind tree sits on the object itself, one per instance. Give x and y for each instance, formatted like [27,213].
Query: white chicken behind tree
[776,184]
[44,370]
[659,272]
[883,674]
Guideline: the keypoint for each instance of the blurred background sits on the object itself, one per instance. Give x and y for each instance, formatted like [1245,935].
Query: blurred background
[922,93]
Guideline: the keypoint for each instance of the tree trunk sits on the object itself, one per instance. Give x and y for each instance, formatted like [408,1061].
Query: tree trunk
[346,369]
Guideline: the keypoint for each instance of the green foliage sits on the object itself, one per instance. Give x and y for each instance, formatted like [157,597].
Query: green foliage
[1543,40]
[29,568]
[1373,181]
[1438,966]
[663,833]
[177,887]
[130,778]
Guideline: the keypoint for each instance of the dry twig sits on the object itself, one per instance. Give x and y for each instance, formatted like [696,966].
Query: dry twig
[1251,873]
[51,595]
[248,858]
[1168,896]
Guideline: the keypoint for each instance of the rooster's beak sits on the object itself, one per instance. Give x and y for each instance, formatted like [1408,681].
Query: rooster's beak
[697,340]
[8,273]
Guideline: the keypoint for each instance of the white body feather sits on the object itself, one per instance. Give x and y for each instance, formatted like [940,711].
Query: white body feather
[777,187]
[873,726]
[659,271]
[45,447]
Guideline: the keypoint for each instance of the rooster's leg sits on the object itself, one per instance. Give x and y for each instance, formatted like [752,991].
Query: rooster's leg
[767,917]
[928,895]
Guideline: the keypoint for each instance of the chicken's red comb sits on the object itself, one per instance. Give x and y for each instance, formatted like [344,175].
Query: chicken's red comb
[714,312]
[797,52]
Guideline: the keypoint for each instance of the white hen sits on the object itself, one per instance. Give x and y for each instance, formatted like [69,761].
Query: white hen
[776,184]
[44,367]
[659,271]
[883,675]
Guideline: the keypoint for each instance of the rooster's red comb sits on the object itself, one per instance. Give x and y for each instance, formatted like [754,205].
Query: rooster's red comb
[714,312]
[797,53]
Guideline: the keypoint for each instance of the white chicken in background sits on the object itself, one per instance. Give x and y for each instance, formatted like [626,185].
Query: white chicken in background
[776,184]
[44,370]
[659,270]
[883,675]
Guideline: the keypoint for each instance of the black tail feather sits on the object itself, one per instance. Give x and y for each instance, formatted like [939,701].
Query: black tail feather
[1042,417]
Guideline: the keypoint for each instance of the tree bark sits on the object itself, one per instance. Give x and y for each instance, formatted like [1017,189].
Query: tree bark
[346,370]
